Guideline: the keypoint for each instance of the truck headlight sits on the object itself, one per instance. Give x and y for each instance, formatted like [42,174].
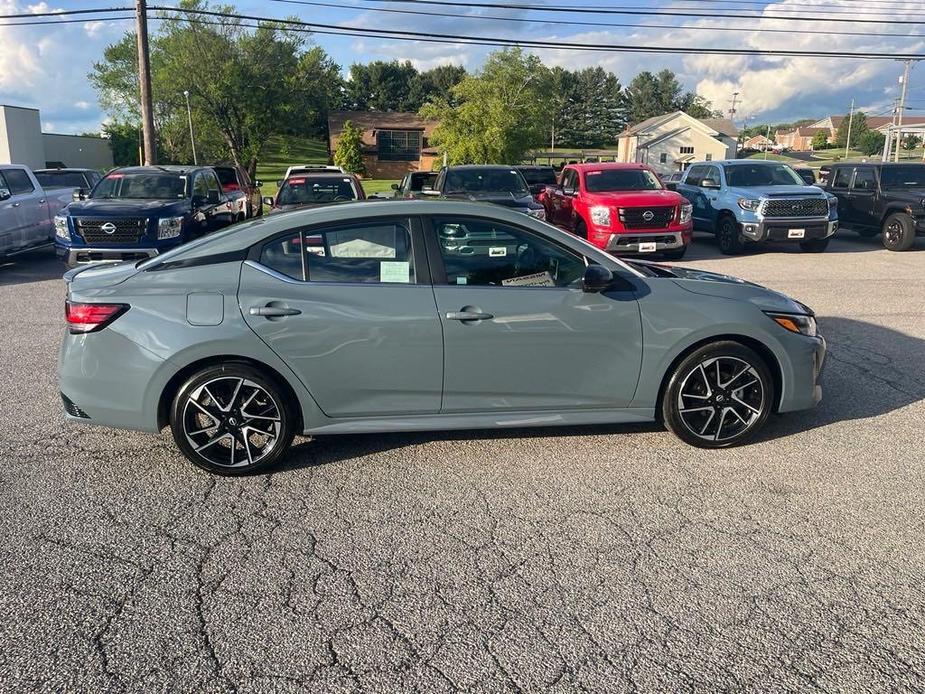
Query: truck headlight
[687,211]
[749,204]
[537,214]
[600,216]
[795,322]
[833,203]
[61,230]
[169,227]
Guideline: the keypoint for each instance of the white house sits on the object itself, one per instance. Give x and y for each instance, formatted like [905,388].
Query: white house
[23,142]
[672,141]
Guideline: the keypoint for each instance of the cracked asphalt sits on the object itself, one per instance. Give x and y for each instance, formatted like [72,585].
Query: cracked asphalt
[598,559]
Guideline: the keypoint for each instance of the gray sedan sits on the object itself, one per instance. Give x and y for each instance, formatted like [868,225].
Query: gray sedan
[421,315]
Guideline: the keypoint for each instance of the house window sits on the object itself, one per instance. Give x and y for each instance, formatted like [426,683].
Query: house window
[709,157]
[687,150]
[399,145]
[663,158]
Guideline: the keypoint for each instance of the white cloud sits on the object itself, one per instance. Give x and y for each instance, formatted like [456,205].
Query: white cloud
[93,28]
[82,105]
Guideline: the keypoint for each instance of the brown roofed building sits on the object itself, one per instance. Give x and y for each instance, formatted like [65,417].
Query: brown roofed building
[394,143]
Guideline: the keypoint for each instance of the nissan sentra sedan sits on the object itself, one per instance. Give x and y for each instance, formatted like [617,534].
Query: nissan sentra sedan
[421,315]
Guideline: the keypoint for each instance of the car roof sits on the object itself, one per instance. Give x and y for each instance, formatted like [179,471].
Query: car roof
[601,165]
[68,169]
[531,167]
[466,167]
[318,174]
[168,168]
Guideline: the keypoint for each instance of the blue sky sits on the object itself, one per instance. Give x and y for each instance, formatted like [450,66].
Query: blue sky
[46,66]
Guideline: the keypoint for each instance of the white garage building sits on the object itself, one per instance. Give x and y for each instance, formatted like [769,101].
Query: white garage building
[23,142]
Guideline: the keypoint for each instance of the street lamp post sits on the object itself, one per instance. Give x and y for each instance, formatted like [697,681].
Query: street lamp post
[189,116]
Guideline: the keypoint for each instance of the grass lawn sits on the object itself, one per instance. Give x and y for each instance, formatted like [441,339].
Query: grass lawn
[378,185]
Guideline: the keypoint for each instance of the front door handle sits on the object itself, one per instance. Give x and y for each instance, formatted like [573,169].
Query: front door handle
[469,313]
[273,311]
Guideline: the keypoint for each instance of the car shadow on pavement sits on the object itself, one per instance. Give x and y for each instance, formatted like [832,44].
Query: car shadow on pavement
[870,371]
[704,247]
[39,265]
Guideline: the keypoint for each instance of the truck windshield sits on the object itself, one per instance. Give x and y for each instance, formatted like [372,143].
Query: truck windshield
[621,179]
[903,176]
[141,186]
[754,175]
[315,190]
[485,181]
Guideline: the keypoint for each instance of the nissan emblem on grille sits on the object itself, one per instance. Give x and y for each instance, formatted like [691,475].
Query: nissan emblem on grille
[109,228]
[648,215]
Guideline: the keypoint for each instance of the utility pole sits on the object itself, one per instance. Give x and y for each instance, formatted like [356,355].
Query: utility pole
[768,138]
[144,81]
[850,118]
[902,107]
[732,110]
[189,115]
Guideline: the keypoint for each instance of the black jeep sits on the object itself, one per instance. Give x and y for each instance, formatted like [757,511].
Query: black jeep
[876,198]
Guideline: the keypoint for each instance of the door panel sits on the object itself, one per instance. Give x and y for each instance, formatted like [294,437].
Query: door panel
[863,198]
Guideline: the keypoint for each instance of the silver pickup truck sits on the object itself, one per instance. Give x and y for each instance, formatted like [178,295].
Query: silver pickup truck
[27,210]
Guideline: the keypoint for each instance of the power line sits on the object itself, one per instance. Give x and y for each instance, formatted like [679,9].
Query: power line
[431,37]
[53,22]
[61,13]
[561,22]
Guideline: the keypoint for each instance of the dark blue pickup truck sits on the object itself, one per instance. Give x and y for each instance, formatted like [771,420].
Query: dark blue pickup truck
[138,212]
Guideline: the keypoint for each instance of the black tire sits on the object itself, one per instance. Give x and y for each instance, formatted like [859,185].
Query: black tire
[719,409]
[581,231]
[814,246]
[898,232]
[232,419]
[676,254]
[729,236]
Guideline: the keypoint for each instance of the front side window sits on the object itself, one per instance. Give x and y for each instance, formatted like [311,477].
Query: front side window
[18,181]
[141,186]
[696,174]
[569,181]
[200,187]
[316,190]
[754,175]
[484,253]
[372,253]
[864,179]
[621,179]
[711,174]
[399,145]
[842,177]
[417,181]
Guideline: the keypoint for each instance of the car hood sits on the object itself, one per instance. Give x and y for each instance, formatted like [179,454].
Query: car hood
[128,208]
[505,199]
[98,276]
[726,287]
[776,191]
[634,198]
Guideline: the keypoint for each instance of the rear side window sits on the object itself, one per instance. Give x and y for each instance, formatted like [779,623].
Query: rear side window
[18,181]
[842,177]
[371,253]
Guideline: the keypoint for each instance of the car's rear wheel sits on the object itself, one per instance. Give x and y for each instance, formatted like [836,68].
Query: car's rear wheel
[729,236]
[232,419]
[718,396]
[815,245]
[898,232]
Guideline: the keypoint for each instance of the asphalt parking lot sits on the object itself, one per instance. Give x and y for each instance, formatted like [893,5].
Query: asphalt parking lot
[600,559]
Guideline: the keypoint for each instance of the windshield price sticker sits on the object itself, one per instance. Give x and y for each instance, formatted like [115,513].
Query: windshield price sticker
[796,233]
[648,247]
[537,279]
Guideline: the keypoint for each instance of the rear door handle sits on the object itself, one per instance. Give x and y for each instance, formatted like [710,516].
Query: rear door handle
[273,311]
[465,315]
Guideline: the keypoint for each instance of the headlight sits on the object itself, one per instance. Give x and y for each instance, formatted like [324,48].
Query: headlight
[749,204]
[538,214]
[795,323]
[61,230]
[687,210]
[600,216]
[169,227]
[833,203]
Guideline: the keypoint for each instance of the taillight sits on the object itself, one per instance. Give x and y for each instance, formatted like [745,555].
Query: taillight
[88,318]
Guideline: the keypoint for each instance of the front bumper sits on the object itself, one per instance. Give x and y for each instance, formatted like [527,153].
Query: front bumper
[649,242]
[801,387]
[74,256]
[793,229]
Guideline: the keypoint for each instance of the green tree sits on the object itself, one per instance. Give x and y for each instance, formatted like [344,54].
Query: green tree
[436,83]
[911,141]
[820,140]
[318,90]
[651,95]
[697,106]
[870,142]
[858,128]
[380,86]
[589,107]
[502,112]
[125,140]
[348,154]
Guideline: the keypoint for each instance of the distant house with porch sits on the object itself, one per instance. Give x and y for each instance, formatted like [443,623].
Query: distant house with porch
[672,141]
[394,143]
[758,142]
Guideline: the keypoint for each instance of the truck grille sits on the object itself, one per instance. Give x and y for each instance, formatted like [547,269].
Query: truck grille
[646,217]
[116,231]
[795,207]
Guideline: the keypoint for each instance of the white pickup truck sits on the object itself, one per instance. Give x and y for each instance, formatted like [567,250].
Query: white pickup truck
[27,211]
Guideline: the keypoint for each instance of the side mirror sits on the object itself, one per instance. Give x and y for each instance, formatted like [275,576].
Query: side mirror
[267,200]
[395,186]
[257,184]
[597,279]
[78,194]
[426,190]
[5,194]
[709,183]
[568,191]
[279,182]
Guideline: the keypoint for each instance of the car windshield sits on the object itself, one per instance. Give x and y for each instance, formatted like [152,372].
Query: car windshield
[538,175]
[485,181]
[903,176]
[419,180]
[226,175]
[315,190]
[61,179]
[621,179]
[141,186]
[753,175]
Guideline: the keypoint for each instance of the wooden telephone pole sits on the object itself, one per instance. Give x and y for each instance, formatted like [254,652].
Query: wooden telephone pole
[144,82]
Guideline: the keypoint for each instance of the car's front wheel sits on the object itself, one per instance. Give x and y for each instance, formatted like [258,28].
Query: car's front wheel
[729,236]
[718,396]
[232,419]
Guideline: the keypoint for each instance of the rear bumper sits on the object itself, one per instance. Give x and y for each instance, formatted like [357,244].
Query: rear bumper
[75,256]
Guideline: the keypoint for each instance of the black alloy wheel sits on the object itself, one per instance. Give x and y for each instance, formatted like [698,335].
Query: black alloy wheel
[729,236]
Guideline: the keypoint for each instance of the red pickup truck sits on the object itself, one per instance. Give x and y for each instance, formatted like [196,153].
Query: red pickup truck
[621,208]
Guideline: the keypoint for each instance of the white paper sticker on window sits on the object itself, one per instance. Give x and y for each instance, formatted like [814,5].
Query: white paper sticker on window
[497,251]
[395,271]
[461,280]
[537,279]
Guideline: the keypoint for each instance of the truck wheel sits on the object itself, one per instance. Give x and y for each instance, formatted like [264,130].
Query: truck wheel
[898,232]
[814,246]
[729,236]
[581,231]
